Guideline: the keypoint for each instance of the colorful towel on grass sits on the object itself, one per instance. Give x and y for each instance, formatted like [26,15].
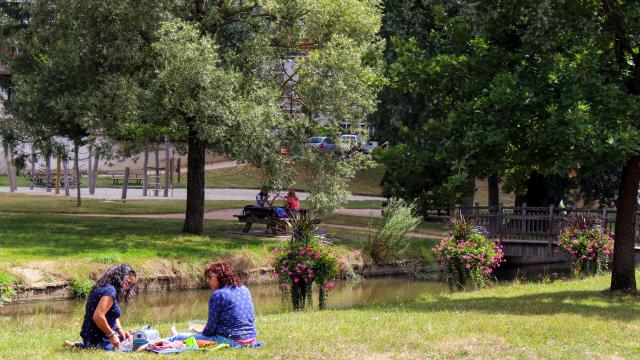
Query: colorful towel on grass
[176,347]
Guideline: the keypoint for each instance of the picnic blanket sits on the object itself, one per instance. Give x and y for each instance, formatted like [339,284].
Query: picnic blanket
[178,346]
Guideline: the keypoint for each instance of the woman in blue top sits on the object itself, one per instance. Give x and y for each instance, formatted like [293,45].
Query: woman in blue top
[101,327]
[231,316]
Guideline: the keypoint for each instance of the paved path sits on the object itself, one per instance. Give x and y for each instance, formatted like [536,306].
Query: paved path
[175,194]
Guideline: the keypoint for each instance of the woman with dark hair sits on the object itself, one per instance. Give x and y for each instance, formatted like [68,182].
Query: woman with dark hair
[231,317]
[101,327]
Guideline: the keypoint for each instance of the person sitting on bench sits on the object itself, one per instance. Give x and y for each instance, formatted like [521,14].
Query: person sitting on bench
[262,199]
[291,201]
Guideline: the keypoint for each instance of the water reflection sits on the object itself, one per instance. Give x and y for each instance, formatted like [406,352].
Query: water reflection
[187,305]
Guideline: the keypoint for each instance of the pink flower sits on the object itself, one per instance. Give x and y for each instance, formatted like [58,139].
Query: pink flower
[468,266]
[295,280]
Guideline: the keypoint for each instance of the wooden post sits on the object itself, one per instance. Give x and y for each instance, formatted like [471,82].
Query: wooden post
[550,231]
[14,182]
[58,160]
[167,166]
[145,169]
[523,225]
[90,169]
[172,163]
[156,189]
[125,183]
[604,218]
[95,172]
[65,174]
[76,169]
[178,169]
[34,158]
[8,162]
[47,172]
[499,221]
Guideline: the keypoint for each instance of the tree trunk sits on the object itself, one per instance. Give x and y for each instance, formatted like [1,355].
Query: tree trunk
[12,178]
[623,276]
[156,189]
[8,162]
[493,184]
[34,158]
[76,166]
[145,169]
[167,166]
[58,161]
[65,172]
[47,171]
[467,202]
[195,185]
[94,173]
[90,169]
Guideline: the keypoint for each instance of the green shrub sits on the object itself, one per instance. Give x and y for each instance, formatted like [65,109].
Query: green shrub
[81,286]
[7,289]
[391,241]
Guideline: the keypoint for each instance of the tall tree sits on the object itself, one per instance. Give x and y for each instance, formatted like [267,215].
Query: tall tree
[530,87]
[247,41]
[77,65]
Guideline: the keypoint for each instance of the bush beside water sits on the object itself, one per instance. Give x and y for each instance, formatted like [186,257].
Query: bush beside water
[7,289]
[392,241]
[81,286]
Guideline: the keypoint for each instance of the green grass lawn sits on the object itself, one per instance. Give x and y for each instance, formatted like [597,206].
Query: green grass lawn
[561,320]
[66,246]
[366,182]
[429,228]
[59,204]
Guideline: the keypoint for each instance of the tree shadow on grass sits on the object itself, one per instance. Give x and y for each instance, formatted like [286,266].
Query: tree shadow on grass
[63,236]
[590,303]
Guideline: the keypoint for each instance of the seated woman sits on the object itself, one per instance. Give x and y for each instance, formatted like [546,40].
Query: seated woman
[291,201]
[101,327]
[231,317]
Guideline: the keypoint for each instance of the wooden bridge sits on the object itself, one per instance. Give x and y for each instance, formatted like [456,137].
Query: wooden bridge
[529,234]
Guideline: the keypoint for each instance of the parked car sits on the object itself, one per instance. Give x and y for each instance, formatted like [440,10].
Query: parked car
[369,146]
[322,143]
[349,142]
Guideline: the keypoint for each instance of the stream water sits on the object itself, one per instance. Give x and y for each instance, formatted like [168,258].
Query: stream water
[182,306]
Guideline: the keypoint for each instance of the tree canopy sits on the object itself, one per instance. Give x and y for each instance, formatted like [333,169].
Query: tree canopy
[520,88]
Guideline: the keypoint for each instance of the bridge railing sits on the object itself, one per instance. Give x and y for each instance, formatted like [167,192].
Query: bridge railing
[532,223]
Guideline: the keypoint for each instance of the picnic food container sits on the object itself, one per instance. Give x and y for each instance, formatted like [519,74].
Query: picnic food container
[144,336]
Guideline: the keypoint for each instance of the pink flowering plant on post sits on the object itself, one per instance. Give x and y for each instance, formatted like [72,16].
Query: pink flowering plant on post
[306,260]
[589,243]
[468,257]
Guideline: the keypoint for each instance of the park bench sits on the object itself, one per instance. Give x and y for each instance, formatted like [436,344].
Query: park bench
[256,215]
[118,175]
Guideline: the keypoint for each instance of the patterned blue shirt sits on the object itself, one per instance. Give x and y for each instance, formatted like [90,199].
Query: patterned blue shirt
[231,314]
